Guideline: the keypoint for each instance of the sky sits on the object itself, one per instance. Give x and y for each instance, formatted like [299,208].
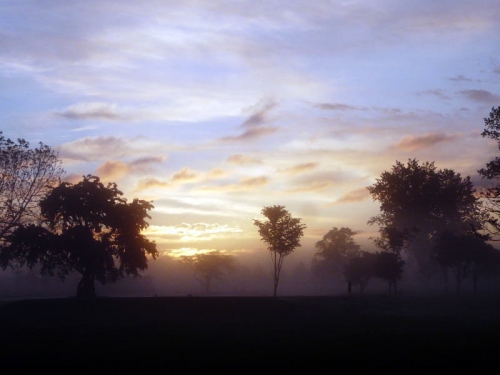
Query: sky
[215,109]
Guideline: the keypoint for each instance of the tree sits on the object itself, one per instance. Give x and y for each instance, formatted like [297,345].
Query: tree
[209,266]
[86,228]
[26,174]
[417,201]
[282,233]
[465,255]
[358,270]
[334,251]
[389,267]
[385,265]
[492,172]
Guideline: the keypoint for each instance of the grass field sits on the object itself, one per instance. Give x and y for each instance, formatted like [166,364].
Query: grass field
[361,332]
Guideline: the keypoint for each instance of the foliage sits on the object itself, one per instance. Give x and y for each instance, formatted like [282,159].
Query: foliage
[417,201]
[335,249]
[282,234]
[359,269]
[385,265]
[466,255]
[492,172]
[209,266]
[26,174]
[87,228]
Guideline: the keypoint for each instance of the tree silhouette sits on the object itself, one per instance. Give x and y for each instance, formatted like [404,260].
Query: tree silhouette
[209,266]
[492,172]
[417,201]
[86,228]
[26,174]
[282,233]
[385,265]
[359,269]
[334,251]
[465,255]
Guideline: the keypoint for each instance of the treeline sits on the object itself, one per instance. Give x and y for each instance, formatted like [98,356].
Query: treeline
[432,224]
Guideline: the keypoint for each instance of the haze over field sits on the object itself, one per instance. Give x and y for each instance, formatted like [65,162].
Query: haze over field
[214,109]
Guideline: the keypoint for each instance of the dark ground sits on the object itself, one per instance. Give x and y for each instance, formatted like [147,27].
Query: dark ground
[328,334]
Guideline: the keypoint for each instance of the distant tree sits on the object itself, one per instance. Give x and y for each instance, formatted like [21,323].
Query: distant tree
[334,251]
[282,234]
[417,201]
[86,228]
[389,267]
[385,265]
[210,266]
[359,269]
[26,174]
[465,255]
[491,194]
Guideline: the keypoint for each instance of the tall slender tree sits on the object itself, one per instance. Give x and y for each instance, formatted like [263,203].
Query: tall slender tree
[282,233]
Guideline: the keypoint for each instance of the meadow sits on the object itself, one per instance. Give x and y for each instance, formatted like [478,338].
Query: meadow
[374,333]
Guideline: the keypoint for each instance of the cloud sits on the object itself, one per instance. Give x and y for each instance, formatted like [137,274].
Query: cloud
[184,175]
[254,181]
[260,113]
[147,160]
[72,178]
[438,93]
[252,134]
[254,124]
[338,107]
[187,232]
[482,96]
[216,173]
[109,147]
[243,159]
[313,186]
[354,196]
[91,149]
[412,143]
[91,111]
[151,183]
[113,170]
[460,78]
[299,168]
[247,183]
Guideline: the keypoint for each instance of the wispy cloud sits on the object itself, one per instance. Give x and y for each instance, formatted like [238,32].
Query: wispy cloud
[187,232]
[113,170]
[243,159]
[244,184]
[418,142]
[460,78]
[151,183]
[252,134]
[338,107]
[108,147]
[354,196]
[482,96]
[436,92]
[260,113]
[91,111]
[313,186]
[299,168]
[255,126]
[185,175]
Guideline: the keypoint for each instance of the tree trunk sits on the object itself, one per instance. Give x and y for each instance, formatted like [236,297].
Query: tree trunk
[86,288]
[275,290]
